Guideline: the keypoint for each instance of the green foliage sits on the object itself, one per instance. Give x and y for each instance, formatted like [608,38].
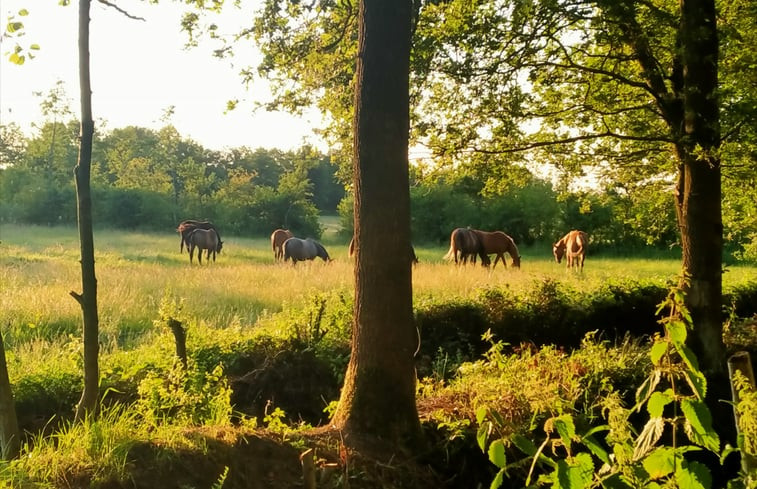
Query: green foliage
[673,395]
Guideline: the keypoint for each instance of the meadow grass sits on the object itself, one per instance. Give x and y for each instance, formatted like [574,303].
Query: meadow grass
[39,266]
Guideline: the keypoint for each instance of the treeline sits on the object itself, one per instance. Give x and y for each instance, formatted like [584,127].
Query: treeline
[147,179]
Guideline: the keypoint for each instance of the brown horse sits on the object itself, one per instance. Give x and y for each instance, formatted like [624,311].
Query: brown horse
[413,256]
[573,247]
[277,242]
[468,244]
[204,239]
[186,227]
[499,243]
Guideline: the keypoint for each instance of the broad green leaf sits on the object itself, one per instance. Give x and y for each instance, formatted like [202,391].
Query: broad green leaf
[693,475]
[527,446]
[578,473]
[481,435]
[698,426]
[658,350]
[497,453]
[498,479]
[23,12]
[596,449]
[657,403]
[660,463]
[481,414]
[566,429]
[677,332]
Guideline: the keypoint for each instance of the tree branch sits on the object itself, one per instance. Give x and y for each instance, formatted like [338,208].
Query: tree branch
[119,9]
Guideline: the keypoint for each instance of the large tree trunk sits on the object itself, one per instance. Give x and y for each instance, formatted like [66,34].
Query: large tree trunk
[88,298]
[10,436]
[699,200]
[378,398]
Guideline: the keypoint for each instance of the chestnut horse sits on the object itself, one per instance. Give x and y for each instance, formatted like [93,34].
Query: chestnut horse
[204,239]
[187,226]
[468,244]
[499,243]
[277,242]
[413,256]
[573,247]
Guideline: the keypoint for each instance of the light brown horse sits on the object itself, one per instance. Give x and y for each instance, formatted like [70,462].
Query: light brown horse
[499,243]
[186,227]
[468,244]
[204,239]
[573,247]
[277,242]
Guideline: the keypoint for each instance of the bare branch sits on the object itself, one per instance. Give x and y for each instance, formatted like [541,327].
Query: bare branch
[119,9]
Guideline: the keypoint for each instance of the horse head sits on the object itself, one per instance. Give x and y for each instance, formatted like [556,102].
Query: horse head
[558,249]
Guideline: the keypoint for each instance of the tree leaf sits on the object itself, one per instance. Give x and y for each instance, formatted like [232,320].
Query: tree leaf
[14,27]
[596,449]
[497,453]
[648,438]
[698,426]
[498,479]
[16,58]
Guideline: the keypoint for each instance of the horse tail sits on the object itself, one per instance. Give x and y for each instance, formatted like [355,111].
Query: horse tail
[453,246]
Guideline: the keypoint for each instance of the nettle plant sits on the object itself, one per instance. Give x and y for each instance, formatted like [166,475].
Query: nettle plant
[613,455]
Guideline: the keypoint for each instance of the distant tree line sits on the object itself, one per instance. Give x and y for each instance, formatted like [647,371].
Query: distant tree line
[148,179]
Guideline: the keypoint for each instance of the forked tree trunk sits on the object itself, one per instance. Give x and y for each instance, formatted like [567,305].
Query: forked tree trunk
[88,298]
[377,403]
[10,436]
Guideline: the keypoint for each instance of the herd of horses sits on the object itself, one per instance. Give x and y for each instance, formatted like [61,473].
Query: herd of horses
[465,245]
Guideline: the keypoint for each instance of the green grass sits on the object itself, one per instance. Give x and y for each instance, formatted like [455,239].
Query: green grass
[39,266]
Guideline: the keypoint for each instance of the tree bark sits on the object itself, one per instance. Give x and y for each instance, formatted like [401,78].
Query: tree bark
[700,198]
[10,436]
[377,403]
[88,298]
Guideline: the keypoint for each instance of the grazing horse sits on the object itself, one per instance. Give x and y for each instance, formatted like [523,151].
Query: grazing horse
[499,243]
[573,247]
[466,242]
[187,226]
[298,249]
[413,256]
[204,239]
[277,242]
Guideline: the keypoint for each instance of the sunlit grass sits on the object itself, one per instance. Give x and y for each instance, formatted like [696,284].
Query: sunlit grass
[39,266]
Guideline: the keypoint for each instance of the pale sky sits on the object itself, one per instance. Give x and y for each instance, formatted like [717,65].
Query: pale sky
[138,69]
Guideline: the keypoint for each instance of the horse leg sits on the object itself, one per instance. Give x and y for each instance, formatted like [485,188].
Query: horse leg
[191,250]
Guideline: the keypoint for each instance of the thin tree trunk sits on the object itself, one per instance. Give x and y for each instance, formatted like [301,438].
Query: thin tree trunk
[88,298]
[377,404]
[10,436]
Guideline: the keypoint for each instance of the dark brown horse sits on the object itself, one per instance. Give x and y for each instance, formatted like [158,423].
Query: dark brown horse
[573,247]
[186,227]
[499,243]
[468,244]
[204,239]
[277,242]
[413,256]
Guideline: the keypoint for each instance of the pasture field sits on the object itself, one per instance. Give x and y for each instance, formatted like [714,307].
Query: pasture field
[135,271]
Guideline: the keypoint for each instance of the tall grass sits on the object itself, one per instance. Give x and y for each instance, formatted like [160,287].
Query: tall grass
[39,266]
